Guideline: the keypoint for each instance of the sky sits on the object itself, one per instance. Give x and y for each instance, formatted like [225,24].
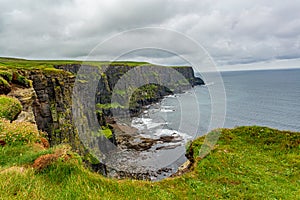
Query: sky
[236,34]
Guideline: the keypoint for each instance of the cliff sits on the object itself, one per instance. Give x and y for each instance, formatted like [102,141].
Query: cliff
[163,81]
[49,95]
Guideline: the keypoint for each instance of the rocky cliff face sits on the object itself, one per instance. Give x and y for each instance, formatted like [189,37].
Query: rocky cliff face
[52,108]
[50,97]
[47,100]
[47,103]
[147,95]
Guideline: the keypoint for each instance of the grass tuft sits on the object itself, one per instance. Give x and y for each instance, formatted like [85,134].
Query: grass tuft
[10,107]
[19,133]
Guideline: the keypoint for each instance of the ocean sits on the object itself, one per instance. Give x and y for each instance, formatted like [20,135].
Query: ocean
[263,98]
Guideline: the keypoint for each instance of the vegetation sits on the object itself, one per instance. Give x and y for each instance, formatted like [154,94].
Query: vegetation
[9,107]
[109,105]
[15,133]
[247,163]
[8,77]
[48,65]
[105,131]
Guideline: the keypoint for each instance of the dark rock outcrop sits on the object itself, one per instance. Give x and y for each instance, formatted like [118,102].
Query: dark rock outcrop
[52,107]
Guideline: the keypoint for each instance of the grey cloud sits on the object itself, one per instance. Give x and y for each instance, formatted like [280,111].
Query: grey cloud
[232,31]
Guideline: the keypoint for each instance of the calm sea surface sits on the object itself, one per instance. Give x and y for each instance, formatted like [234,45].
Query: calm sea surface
[265,98]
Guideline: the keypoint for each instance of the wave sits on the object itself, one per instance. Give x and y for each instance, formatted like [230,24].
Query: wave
[167,110]
[158,129]
[208,84]
[145,123]
[170,132]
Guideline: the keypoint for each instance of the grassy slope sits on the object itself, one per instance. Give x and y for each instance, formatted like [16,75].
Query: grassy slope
[247,163]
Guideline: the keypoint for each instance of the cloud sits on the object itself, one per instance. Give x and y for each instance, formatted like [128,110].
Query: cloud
[232,31]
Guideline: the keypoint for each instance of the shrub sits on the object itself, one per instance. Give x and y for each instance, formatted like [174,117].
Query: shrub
[19,133]
[5,88]
[9,107]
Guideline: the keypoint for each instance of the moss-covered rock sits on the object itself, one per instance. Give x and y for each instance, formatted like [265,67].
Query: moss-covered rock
[5,87]
[21,80]
[7,75]
[9,107]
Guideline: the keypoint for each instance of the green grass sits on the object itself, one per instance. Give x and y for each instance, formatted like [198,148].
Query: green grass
[20,155]
[247,163]
[9,107]
[48,65]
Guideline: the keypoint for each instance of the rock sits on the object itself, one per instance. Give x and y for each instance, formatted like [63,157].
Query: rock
[185,165]
[142,144]
[184,168]
[168,147]
[171,138]
[27,97]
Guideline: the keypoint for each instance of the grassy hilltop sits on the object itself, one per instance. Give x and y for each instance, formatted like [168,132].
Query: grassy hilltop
[48,65]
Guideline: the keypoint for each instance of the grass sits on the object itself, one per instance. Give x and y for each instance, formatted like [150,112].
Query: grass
[247,163]
[20,155]
[48,65]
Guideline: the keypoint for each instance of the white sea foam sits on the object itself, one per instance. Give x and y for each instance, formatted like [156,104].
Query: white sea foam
[169,132]
[208,84]
[171,96]
[166,110]
[145,123]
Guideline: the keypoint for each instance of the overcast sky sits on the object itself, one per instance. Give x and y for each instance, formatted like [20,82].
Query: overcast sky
[232,31]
